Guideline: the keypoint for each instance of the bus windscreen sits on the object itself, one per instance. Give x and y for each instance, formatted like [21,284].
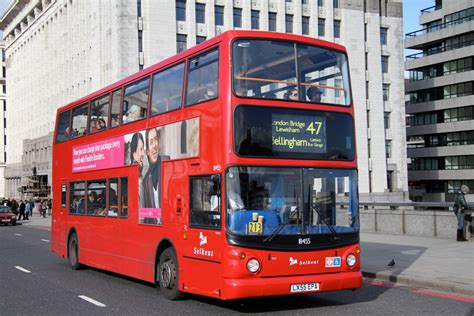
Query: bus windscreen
[290,71]
[293,133]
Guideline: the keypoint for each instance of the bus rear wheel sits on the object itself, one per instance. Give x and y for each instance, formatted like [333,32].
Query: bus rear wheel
[73,252]
[168,275]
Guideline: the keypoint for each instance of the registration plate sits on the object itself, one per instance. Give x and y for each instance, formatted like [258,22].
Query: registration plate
[305,287]
[5,220]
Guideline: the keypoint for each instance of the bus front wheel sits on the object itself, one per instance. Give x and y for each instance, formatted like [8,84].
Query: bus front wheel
[168,275]
[73,252]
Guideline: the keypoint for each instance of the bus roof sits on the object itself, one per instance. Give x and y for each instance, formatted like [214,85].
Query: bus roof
[227,36]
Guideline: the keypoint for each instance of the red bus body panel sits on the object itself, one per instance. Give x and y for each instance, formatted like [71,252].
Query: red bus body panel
[124,246]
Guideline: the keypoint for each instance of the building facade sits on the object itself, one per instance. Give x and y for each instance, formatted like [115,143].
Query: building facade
[440,128]
[3,121]
[60,50]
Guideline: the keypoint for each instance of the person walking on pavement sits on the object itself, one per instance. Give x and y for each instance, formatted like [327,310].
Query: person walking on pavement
[40,208]
[22,210]
[29,209]
[460,205]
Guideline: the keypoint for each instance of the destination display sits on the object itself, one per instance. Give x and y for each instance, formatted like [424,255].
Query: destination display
[270,132]
[298,133]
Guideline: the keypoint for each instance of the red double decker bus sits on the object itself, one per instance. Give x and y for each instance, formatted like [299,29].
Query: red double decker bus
[228,170]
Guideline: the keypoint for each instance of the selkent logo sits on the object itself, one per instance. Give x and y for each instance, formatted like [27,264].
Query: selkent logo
[203,239]
[302,262]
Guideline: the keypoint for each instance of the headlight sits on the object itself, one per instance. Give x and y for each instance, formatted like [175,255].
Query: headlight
[13,216]
[351,260]
[253,265]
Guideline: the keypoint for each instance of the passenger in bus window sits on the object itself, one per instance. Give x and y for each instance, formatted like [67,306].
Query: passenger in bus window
[134,113]
[210,93]
[114,120]
[314,94]
[101,125]
[152,179]
[292,94]
[93,125]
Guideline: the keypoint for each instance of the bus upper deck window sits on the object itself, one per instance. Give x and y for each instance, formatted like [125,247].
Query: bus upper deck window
[63,132]
[135,101]
[202,78]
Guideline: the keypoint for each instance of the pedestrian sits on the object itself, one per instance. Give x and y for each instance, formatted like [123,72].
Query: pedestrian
[29,209]
[45,208]
[14,206]
[40,208]
[50,206]
[460,205]
[22,210]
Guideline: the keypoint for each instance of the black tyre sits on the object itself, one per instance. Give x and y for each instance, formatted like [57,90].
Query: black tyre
[73,252]
[14,223]
[168,275]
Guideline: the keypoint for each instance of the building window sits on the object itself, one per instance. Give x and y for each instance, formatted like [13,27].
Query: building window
[200,13]
[219,15]
[289,23]
[304,1]
[386,120]
[139,7]
[237,17]
[335,3]
[384,64]
[386,92]
[388,148]
[181,10]
[383,35]
[321,26]
[181,43]
[200,39]
[305,25]
[255,19]
[320,3]
[337,29]
[272,18]
[140,41]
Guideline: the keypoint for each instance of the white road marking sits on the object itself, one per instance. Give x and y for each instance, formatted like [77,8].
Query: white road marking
[22,269]
[45,240]
[91,300]
[18,234]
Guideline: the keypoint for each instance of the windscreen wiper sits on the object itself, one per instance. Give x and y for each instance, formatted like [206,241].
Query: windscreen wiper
[280,228]
[334,234]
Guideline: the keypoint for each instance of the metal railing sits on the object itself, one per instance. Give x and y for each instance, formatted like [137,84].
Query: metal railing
[419,206]
[439,50]
[431,9]
[439,26]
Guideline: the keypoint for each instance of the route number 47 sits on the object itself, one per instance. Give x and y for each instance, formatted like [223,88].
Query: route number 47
[314,128]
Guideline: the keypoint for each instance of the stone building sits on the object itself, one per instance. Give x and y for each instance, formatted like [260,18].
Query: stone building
[60,50]
[441,103]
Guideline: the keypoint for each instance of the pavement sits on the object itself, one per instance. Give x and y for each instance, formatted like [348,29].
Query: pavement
[431,263]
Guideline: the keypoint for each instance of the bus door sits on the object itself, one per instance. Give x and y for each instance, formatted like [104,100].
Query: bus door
[203,247]
[59,222]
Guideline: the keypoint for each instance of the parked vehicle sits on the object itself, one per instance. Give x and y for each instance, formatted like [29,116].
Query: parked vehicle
[7,216]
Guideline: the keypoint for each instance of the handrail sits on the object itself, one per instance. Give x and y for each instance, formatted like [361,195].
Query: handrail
[439,26]
[439,50]
[430,9]
[294,83]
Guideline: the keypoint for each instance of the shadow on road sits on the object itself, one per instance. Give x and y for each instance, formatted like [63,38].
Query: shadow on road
[377,256]
[297,302]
